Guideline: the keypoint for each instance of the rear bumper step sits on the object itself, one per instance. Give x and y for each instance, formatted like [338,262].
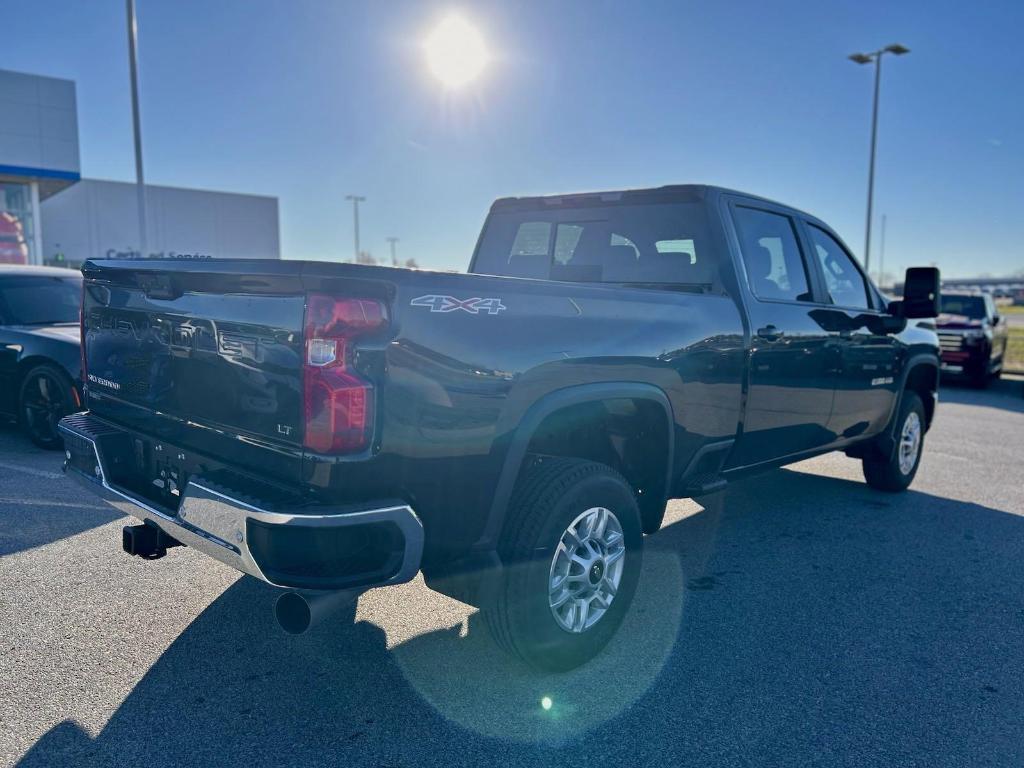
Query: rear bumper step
[319,548]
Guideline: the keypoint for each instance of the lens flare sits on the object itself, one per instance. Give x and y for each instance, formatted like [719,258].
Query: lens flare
[546,702]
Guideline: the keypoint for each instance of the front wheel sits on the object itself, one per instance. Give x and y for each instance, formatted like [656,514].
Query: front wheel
[572,549]
[896,472]
[980,377]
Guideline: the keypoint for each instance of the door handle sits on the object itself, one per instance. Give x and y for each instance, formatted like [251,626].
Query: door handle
[769,333]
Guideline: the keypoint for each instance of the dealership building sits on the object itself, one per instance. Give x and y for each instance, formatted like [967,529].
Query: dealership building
[49,214]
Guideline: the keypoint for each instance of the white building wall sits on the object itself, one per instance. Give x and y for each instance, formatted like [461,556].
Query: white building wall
[39,125]
[98,219]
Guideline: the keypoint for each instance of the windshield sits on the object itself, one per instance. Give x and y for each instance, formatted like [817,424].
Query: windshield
[968,306]
[662,243]
[40,300]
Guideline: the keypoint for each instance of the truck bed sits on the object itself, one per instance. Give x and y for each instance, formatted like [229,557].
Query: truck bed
[207,355]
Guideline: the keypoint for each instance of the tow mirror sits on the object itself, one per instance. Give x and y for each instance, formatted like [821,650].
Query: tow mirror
[921,296]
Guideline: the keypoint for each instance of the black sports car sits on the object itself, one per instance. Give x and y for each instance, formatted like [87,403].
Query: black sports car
[40,357]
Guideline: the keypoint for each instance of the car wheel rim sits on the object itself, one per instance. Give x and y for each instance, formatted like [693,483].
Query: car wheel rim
[586,570]
[910,442]
[43,407]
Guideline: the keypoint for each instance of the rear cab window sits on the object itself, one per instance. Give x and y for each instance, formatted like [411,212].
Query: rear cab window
[637,243]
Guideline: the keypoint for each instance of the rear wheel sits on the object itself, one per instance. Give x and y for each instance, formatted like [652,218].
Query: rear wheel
[896,471]
[572,549]
[46,397]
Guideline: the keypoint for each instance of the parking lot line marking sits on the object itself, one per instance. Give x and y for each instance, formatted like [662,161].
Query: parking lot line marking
[30,471]
[50,503]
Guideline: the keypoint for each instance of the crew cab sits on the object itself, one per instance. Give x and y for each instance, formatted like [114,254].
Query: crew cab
[972,336]
[511,432]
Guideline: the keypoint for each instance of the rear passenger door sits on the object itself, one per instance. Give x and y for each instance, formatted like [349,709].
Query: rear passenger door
[792,373]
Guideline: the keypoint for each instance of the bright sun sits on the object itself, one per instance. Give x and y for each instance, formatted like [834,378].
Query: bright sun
[456,52]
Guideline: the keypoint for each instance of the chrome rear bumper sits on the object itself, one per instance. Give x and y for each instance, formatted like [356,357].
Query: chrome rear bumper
[242,533]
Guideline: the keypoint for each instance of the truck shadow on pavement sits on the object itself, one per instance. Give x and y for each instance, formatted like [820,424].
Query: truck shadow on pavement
[1007,394]
[32,489]
[795,619]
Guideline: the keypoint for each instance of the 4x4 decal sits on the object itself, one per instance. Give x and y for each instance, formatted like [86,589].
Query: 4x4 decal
[450,304]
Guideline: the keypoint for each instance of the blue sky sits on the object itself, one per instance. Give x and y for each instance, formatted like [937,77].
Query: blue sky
[311,100]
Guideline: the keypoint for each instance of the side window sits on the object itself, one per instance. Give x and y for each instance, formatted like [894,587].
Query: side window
[844,281]
[990,306]
[771,254]
[684,248]
[622,241]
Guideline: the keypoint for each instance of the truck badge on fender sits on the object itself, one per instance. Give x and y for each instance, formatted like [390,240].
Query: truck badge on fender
[451,304]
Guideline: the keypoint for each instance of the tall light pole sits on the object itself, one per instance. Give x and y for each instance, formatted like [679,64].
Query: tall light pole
[140,184]
[356,200]
[391,242]
[881,255]
[867,58]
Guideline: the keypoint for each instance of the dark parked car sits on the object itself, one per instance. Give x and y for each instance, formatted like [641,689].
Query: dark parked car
[40,351]
[973,336]
[512,432]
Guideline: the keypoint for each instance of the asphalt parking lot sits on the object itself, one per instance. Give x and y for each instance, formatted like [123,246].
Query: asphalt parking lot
[797,619]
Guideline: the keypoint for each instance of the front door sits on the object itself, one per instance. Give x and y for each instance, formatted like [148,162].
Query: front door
[792,367]
[867,385]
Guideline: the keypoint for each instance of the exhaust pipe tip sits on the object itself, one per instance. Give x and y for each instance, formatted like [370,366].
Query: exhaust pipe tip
[296,612]
[293,613]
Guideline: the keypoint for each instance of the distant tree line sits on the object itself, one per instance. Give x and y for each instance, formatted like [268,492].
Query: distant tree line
[365,257]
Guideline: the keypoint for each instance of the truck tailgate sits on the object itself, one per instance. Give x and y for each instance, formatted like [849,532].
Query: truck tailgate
[176,353]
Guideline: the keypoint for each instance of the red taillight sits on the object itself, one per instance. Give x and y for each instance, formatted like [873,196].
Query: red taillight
[338,402]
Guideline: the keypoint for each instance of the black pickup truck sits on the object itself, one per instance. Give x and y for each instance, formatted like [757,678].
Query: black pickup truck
[512,432]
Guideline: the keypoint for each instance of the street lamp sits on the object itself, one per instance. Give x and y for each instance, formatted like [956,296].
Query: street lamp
[133,69]
[391,242]
[867,58]
[356,200]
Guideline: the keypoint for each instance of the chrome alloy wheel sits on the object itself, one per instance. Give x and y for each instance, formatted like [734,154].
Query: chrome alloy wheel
[910,442]
[586,570]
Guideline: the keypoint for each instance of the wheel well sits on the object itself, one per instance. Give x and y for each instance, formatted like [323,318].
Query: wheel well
[628,434]
[28,363]
[924,380]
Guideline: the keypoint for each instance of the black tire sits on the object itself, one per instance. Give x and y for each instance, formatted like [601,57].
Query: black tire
[980,377]
[46,396]
[885,473]
[551,494]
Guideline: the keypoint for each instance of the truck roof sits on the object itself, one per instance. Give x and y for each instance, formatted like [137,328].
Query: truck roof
[670,193]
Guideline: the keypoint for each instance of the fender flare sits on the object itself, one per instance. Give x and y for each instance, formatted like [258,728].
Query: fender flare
[531,420]
[914,361]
